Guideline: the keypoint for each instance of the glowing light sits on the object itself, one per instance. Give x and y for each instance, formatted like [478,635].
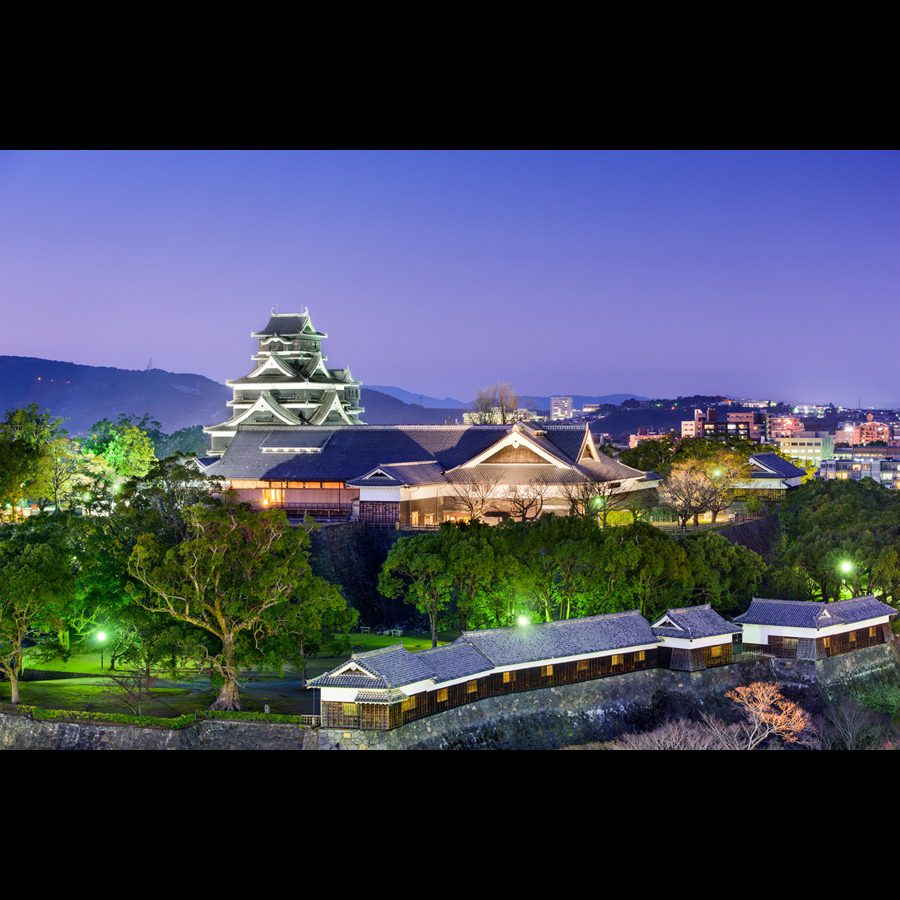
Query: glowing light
[523,621]
[717,473]
[101,636]
[846,567]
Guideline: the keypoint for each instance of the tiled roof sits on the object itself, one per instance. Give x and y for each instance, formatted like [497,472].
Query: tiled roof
[286,325]
[695,622]
[353,451]
[480,651]
[806,614]
[456,660]
[554,640]
[781,467]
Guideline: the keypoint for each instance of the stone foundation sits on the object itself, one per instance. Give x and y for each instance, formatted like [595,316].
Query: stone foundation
[548,718]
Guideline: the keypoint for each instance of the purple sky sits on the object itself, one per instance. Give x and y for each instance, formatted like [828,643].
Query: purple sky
[752,274]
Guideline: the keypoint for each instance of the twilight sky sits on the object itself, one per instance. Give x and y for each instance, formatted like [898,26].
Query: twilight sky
[753,274]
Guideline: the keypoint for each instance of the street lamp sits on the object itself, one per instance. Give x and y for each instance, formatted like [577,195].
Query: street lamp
[846,568]
[523,621]
[101,638]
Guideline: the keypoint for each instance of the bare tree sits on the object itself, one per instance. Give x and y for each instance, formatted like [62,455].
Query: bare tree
[496,404]
[526,501]
[850,726]
[685,491]
[595,499]
[722,473]
[475,493]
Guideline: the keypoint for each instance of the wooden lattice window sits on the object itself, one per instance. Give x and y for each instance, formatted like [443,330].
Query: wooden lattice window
[852,637]
[472,687]
[442,695]
[715,650]
[582,665]
[349,709]
[640,655]
[618,659]
[408,704]
[509,677]
[546,671]
[872,631]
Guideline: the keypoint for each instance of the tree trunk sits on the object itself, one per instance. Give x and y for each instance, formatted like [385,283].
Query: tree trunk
[14,687]
[714,513]
[229,697]
[696,518]
[433,622]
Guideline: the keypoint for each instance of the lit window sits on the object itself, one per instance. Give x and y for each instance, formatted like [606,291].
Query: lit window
[546,671]
[509,677]
[349,709]
[640,656]
[852,637]
[582,665]
[715,650]
[871,631]
[618,659]
[442,695]
[472,687]
[408,704]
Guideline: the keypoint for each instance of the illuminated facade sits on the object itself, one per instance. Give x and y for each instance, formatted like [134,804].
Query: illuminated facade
[290,384]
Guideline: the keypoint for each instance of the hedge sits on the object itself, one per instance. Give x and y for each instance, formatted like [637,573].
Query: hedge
[175,723]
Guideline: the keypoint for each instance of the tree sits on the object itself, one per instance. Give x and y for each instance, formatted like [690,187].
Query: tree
[25,438]
[595,499]
[526,501]
[416,569]
[35,576]
[723,472]
[769,714]
[130,452]
[495,405]
[474,493]
[651,456]
[684,491]
[233,577]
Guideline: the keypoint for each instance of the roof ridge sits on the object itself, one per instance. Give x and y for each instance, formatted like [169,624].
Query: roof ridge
[620,614]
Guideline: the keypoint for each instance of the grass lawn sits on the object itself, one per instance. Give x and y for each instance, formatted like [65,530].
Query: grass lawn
[81,663]
[363,642]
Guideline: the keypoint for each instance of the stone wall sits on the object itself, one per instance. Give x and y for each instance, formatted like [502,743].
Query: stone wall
[18,732]
[549,718]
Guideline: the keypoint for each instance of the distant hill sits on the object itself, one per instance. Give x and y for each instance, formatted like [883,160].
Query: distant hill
[418,399]
[578,400]
[82,395]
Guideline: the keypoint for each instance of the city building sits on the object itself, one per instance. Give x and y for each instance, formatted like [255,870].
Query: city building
[883,470]
[863,433]
[520,414]
[693,638]
[809,447]
[800,629]
[290,384]
[561,408]
[778,427]
[758,404]
[590,409]
[812,410]
[750,426]
[643,435]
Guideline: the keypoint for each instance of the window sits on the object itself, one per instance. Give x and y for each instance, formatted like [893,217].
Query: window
[640,656]
[442,695]
[871,631]
[472,687]
[852,637]
[429,518]
[826,641]
[546,671]
[582,665]
[349,709]
[408,704]
[715,650]
[414,517]
[509,677]
[618,659]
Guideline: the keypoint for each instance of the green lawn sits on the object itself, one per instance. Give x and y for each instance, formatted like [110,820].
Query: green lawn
[363,642]
[81,663]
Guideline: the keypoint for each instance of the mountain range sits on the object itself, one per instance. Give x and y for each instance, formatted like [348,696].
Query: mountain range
[530,401]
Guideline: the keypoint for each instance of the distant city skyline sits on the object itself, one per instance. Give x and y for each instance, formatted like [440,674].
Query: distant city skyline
[752,274]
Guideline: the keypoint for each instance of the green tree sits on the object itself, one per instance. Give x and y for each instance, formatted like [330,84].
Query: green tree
[233,577]
[416,570]
[36,575]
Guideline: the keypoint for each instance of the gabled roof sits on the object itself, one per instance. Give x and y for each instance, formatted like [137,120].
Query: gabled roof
[352,451]
[480,651]
[285,324]
[807,614]
[773,463]
[553,640]
[693,622]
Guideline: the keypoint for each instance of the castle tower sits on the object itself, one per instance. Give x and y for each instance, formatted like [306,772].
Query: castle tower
[290,384]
